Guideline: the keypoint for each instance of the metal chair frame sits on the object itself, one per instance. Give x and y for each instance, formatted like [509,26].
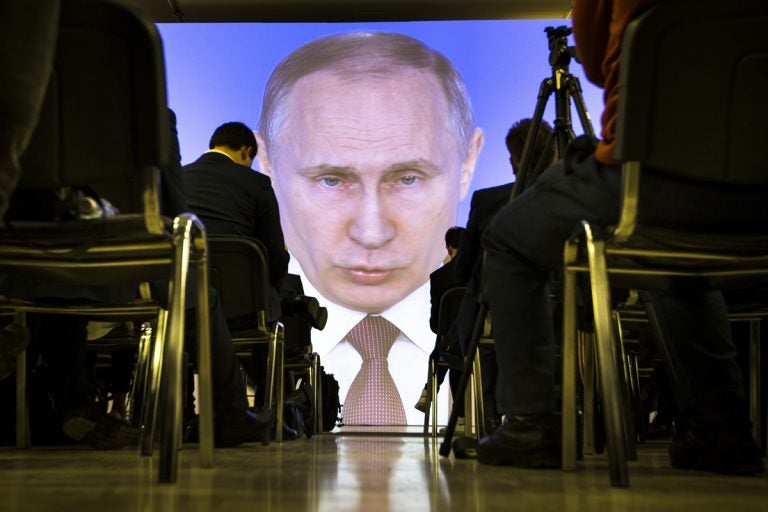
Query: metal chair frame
[720,260]
[137,246]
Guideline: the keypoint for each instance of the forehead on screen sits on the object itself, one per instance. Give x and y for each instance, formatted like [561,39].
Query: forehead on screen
[364,55]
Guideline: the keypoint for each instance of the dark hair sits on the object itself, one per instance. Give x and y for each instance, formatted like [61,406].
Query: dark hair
[544,145]
[234,135]
[453,235]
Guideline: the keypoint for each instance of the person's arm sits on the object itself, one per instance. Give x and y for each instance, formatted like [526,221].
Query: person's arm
[591,31]
[434,296]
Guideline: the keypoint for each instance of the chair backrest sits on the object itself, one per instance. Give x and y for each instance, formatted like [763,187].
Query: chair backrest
[692,99]
[104,122]
[450,303]
[239,271]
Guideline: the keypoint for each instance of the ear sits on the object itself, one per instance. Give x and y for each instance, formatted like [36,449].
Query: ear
[263,155]
[470,160]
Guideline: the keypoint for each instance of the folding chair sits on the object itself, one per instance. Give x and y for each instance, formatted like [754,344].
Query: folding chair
[240,273]
[105,126]
[719,135]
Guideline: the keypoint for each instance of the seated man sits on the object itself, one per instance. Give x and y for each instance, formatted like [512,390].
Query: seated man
[440,281]
[485,204]
[233,199]
[524,243]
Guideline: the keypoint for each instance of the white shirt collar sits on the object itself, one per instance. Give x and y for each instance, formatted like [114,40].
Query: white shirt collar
[220,152]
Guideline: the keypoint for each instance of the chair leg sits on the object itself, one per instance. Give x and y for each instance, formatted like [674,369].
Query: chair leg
[137,393]
[269,380]
[589,366]
[445,445]
[317,392]
[22,404]
[205,388]
[477,385]
[609,375]
[432,396]
[469,400]
[279,380]
[624,381]
[754,382]
[152,386]
[569,417]
[428,392]
[172,361]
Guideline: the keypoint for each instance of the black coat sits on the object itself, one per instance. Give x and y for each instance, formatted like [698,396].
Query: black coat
[440,281]
[232,199]
[485,204]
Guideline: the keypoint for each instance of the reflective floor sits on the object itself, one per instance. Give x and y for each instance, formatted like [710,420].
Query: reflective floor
[351,472]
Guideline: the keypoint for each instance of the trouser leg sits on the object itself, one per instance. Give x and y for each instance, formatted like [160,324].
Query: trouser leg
[27,46]
[702,351]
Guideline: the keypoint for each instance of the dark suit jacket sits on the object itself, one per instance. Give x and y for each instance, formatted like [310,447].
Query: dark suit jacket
[485,204]
[232,199]
[440,281]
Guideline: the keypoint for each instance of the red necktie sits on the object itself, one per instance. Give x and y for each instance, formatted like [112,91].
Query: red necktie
[373,398]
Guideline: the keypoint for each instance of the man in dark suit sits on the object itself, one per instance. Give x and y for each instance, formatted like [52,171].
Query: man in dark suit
[468,261]
[440,281]
[232,199]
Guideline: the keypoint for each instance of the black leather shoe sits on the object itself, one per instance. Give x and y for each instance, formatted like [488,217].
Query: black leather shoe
[236,428]
[719,448]
[464,447]
[523,441]
[98,429]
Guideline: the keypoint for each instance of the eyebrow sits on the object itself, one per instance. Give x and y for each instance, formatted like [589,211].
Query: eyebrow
[418,163]
[336,170]
[346,171]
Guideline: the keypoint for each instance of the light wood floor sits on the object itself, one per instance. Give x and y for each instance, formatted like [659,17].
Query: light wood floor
[354,472]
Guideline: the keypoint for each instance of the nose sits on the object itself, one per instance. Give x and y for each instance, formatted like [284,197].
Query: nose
[372,226]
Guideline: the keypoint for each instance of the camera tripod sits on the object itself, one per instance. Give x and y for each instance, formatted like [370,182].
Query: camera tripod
[564,86]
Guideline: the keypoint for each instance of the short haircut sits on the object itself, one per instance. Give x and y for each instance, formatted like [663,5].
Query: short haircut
[362,54]
[544,145]
[234,135]
[453,236]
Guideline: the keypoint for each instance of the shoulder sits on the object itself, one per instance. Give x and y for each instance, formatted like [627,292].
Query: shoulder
[444,272]
[496,191]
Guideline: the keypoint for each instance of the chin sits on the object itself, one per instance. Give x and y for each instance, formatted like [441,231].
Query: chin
[364,302]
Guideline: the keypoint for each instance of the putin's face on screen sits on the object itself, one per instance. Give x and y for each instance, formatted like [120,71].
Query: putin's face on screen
[368,171]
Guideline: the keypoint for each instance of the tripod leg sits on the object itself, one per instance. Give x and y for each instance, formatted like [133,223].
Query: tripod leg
[445,446]
[545,90]
[575,87]
[562,127]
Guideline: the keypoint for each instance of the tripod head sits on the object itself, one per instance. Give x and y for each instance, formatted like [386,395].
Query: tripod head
[560,53]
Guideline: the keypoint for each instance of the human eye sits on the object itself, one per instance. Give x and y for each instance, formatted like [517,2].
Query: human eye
[409,180]
[330,182]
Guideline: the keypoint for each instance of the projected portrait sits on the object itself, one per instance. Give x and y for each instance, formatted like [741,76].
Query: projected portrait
[370,141]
